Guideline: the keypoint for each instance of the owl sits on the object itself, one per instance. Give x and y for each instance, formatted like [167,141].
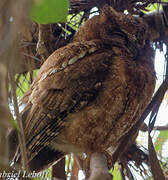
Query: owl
[89,93]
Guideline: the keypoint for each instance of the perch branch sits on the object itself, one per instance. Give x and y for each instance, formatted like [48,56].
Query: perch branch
[4,117]
[98,167]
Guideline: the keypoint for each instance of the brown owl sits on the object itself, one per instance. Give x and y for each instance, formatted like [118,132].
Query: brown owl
[89,93]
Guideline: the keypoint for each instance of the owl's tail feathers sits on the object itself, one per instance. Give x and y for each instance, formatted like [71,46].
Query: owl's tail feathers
[13,142]
[12,136]
[44,159]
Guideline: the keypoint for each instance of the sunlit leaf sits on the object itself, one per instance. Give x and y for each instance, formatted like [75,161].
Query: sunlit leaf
[153,7]
[75,20]
[116,172]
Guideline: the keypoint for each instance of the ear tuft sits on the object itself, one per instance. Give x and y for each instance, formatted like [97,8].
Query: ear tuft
[109,11]
[108,14]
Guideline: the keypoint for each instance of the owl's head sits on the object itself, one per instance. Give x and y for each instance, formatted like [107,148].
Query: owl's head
[133,27]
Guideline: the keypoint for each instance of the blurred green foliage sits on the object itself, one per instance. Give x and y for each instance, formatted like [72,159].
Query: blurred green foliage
[116,172]
[161,139]
[49,11]
[154,7]
[23,82]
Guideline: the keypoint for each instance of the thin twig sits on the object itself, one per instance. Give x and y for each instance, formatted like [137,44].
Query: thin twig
[33,57]
[21,135]
[161,128]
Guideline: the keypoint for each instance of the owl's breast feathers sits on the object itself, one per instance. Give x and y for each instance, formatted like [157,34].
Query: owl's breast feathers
[86,96]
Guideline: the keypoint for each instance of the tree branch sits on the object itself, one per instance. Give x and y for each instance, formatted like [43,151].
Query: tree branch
[4,119]
[98,167]
[161,128]
[21,135]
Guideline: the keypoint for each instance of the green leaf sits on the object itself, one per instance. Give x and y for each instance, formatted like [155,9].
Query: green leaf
[161,139]
[116,172]
[49,11]
[153,7]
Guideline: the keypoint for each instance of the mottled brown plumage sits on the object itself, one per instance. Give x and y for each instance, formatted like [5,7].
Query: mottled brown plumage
[88,94]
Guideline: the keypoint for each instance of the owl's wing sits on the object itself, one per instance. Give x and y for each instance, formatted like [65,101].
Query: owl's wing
[68,81]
